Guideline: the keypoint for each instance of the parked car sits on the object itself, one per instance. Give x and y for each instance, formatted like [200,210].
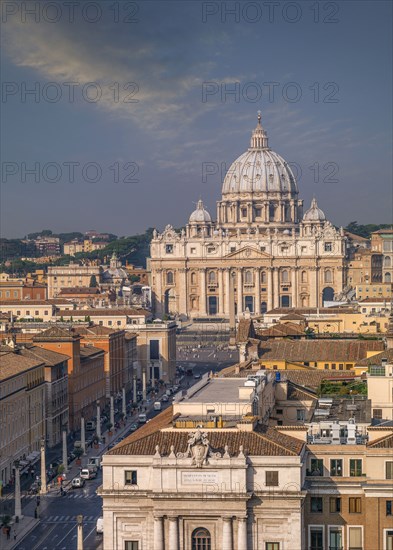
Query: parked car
[77,483]
[197,376]
[133,427]
[165,398]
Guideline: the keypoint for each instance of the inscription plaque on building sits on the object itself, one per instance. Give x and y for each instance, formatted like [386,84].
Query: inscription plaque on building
[199,478]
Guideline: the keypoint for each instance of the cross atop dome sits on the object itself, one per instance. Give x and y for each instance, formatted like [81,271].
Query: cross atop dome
[259,138]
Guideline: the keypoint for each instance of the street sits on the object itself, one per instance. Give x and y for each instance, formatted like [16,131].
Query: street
[57,526]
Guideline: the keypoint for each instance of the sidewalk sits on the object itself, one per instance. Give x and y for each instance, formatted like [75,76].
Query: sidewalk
[23,528]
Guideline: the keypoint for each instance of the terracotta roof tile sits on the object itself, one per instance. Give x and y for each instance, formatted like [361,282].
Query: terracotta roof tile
[318,350]
[260,442]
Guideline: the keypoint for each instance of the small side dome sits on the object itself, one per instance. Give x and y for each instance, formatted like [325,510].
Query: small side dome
[314,214]
[200,215]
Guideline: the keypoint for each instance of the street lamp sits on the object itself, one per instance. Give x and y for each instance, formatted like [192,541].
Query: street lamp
[65,459]
[43,489]
[79,520]
[98,428]
[18,503]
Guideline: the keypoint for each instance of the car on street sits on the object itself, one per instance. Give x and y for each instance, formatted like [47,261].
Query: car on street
[197,376]
[165,398]
[87,473]
[133,427]
[78,483]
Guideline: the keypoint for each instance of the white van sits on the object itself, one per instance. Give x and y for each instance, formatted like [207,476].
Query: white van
[142,419]
[157,406]
[86,473]
[100,526]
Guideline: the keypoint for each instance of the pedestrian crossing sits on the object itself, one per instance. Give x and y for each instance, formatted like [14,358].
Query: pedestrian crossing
[69,519]
[70,495]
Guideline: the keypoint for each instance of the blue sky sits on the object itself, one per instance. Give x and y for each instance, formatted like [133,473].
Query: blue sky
[322,79]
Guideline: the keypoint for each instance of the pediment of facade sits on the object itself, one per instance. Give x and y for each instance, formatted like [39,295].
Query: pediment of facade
[248,253]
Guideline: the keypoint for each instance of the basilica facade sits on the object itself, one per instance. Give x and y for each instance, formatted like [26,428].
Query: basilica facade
[262,251]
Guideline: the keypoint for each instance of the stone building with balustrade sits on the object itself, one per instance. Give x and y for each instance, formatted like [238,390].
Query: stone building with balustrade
[261,249]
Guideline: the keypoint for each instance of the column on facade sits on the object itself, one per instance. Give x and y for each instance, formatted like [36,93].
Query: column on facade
[313,287]
[317,275]
[173,533]
[158,542]
[159,297]
[239,291]
[257,298]
[276,289]
[202,305]
[227,291]
[270,290]
[227,539]
[183,291]
[294,286]
[220,291]
[241,534]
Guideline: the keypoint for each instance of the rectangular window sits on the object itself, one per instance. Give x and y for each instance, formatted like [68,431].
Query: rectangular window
[244,212]
[389,507]
[317,466]
[335,538]
[316,505]
[316,538]
[355,505]
[333,366]
[193,250]
[326,366]
[389,470]
[131,545]
[341,366]
[300,416]
[109,323]
[154,349]
[328,247]
[233,249]
[258,212]
[388,540]
[272,546]
[336,467]
[335,505]
[169,248]
[355,538]
[271,479]
[130,477]
[279,411]
[355,467]
[377,413]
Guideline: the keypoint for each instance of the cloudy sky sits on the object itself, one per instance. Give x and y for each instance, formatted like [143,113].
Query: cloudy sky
[119,116]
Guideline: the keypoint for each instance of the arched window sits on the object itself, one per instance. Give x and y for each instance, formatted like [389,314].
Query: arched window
[263,307]
[328,276]
[388,261]
[263,277]
[193,278]
[304,276]
[212,277]
[169,278]
[284,276]
[201,539]
[388,278]
[248,277]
